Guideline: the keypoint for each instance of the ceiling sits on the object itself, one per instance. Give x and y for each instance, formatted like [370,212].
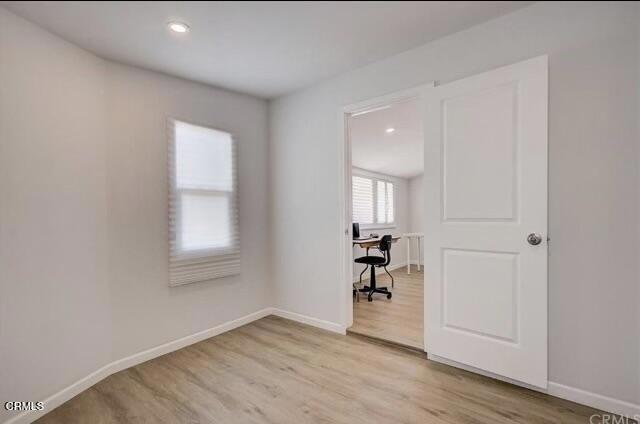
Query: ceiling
[266,49]
[400,153]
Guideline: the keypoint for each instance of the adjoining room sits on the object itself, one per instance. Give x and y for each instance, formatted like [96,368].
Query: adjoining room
[387,201]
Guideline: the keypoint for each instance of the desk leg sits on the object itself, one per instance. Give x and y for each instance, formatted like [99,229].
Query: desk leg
[408,255]
[418,239]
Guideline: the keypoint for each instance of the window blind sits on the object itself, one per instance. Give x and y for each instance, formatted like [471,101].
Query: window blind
[381,213]
[362,192]
[372,200]
[203,208]
[390,208]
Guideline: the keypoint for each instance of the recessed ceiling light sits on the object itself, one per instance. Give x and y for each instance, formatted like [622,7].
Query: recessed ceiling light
[179,27]
[390,130]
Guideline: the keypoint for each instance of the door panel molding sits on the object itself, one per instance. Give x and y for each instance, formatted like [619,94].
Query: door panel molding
[486,182]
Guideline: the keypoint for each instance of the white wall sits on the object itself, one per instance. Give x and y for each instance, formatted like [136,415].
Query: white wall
[146,312]
[82,218]
[402,225]
[594,323]
[83,215]
[638,157]
[55,319]
[416,203]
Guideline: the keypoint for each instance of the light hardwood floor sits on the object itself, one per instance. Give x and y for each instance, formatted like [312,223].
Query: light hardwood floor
[399,319]
[279,371]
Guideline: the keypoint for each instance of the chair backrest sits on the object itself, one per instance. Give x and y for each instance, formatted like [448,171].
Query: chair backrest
[356,230]
[385,247]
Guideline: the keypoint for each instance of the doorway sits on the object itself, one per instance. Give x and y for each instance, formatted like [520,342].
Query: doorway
[485,219]
[386,198]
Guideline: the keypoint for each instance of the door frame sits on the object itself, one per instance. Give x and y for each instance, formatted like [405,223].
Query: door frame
[345,250]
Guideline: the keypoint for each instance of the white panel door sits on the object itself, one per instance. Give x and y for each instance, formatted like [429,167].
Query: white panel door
[486,191]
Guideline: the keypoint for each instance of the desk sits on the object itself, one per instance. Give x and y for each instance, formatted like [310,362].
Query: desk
[369,242]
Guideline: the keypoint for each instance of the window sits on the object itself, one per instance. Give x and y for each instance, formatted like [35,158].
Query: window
[372,201]
[362,192]
[203,211]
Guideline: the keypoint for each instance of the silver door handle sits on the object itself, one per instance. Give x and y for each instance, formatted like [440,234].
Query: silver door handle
[534,239]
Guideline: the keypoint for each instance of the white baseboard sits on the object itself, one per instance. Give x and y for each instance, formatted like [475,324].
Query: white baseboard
[79,386]
[573,394]
[315,322]
[83,384]
[594,400]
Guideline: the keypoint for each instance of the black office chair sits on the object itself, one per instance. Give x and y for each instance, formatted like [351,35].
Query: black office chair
[377,261]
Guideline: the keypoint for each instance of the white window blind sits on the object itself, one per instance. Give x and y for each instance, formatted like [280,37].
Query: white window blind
[372,201]
[203,207]
[381,215]
[362,191]
[390,209]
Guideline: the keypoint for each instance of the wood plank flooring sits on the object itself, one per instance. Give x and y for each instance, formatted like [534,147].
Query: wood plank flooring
[279,371]
[399,319]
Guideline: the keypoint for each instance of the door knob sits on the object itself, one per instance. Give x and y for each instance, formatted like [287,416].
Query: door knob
[534,239]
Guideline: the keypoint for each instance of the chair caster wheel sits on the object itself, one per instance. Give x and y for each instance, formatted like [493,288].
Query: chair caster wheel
[389,296]
[369,298]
